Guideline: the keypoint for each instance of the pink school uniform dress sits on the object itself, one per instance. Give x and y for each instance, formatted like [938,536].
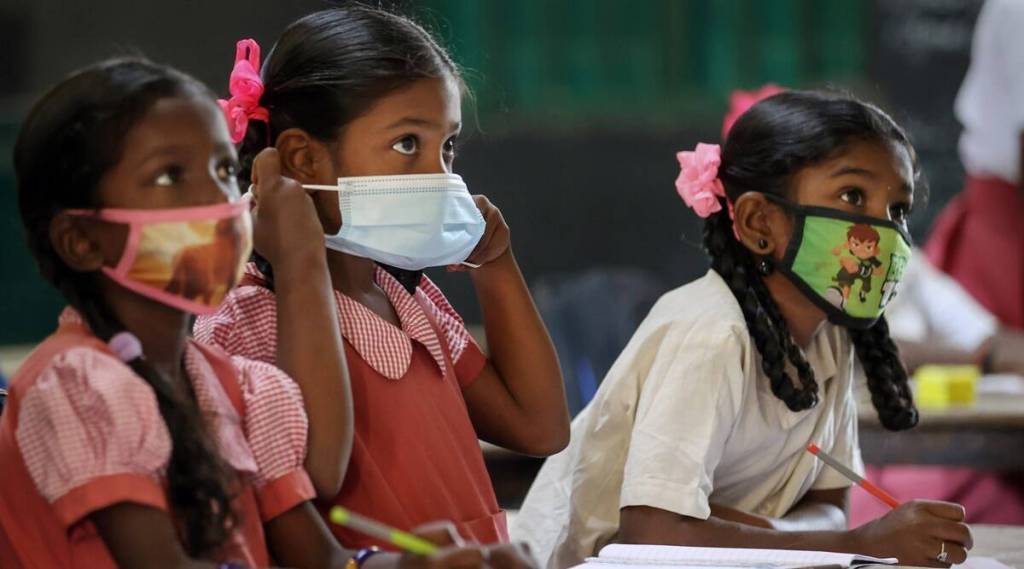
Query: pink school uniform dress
[82,432]
[416,457]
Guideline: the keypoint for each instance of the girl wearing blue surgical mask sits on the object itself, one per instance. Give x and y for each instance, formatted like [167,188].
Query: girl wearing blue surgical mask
[697,436]
[363,108]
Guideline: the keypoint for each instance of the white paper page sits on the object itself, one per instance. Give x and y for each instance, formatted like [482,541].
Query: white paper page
[982,563]
[662,555]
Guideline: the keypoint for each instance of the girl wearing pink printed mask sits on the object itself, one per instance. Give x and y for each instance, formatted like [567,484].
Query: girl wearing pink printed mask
[124,443]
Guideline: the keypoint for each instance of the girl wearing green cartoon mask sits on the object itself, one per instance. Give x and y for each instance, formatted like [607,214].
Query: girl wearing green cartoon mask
[868,258]
[697,434]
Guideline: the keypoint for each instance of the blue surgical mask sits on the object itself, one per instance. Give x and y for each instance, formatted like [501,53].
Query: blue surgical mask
[407,221]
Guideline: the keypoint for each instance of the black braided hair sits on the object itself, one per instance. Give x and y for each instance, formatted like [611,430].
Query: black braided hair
[734,263]
[887,377]
[71,138]
[766,146]
[328,68]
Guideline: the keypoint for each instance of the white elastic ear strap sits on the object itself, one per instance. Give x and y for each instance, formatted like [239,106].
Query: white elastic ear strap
[322,188]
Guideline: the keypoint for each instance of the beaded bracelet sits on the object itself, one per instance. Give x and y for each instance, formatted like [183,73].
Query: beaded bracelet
[357,560]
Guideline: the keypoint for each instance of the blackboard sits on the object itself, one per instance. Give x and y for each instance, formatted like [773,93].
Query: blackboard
[921,51]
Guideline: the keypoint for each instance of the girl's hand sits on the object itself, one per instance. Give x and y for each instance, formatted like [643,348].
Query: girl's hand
[285,222]
[915,533]
[510,556]
[454,553]
[496,240]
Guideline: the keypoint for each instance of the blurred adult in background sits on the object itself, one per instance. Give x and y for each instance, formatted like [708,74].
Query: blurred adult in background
[979,238]
[979,241]
[935,321]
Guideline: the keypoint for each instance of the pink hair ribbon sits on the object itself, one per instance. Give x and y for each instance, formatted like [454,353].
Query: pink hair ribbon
[698,182]
[246,88]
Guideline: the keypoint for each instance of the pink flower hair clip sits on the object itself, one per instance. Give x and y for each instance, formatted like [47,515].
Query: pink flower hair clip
[246,88]
[698,182]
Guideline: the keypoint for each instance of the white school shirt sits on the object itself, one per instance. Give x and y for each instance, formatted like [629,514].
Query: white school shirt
[990,104]
[686,417]
[932,308]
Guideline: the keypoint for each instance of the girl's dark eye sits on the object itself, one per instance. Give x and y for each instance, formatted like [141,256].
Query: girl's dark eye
[227,170]
[449,146]
[408,145]
[899,213]
[169,176]
[854,197]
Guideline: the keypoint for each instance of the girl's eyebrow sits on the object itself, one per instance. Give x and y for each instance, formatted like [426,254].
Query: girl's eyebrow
[162,151]
[423,123]
[848,170]
[413,121]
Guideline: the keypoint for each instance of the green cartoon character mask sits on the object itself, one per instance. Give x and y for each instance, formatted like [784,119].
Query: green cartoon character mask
[849,265]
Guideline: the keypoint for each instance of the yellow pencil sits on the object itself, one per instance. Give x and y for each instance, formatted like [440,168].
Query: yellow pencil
[396,537]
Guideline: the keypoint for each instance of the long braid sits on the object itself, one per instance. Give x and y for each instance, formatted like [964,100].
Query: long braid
[735,265]
[886,376]
[809,385]
[199,480]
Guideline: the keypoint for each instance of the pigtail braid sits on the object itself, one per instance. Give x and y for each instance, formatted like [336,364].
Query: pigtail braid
[886,376]
[771,336]
[199,480]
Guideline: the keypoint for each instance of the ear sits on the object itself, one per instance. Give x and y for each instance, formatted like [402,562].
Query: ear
[304,158]
[73,245]
[761,225]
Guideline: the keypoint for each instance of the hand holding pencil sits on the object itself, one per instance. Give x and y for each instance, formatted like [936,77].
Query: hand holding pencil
[437,545]
[920,533]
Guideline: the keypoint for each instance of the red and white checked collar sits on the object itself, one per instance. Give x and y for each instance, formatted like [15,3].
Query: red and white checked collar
[387,348]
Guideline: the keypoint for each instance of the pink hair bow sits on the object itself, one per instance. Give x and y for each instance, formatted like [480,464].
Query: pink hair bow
[741,101]
[246,88]
[698,182]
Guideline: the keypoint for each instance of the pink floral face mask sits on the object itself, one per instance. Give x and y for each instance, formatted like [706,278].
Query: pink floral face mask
[188,258]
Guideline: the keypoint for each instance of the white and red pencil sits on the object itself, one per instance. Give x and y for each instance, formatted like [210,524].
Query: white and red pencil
[853,476]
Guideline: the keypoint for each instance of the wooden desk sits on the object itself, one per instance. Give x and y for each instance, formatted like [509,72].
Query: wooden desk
[1004,543]
[988,434]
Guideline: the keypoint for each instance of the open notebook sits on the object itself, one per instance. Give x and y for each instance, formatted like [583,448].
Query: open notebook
[660,556]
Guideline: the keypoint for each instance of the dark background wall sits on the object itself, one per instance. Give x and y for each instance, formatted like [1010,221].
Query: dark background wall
[581,104]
